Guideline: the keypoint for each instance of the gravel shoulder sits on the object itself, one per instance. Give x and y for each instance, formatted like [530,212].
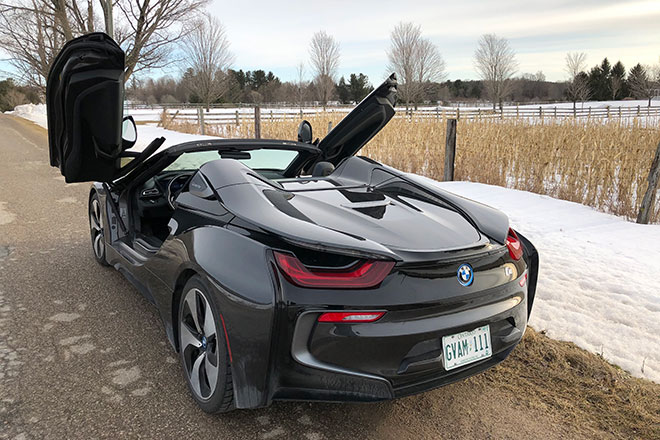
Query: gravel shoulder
[83,355]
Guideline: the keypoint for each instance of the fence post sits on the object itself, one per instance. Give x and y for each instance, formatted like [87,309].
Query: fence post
[238,121]
[517,111]
[173,118]
[329,126]
[479,113]
[437,113]
[608,112]
[619,112]
[458,113]
[450,150]
[555,112]
[637,109]
[257,122]
[646,208]
[200,117]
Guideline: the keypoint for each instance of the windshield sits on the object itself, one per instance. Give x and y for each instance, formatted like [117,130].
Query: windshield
[266,159]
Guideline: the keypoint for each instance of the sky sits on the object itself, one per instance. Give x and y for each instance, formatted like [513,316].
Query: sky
[275,35]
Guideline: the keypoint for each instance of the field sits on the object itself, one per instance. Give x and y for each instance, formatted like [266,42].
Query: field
[599,163]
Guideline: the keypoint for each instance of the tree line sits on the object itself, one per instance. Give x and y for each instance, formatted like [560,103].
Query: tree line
[157,34]
[606,82]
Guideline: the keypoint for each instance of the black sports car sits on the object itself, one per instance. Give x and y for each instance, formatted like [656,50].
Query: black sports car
[290,270]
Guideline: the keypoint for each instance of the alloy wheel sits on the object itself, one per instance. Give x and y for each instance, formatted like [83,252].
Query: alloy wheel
[199,343]
[96,228]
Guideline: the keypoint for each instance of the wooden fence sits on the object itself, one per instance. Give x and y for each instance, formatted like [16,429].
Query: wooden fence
[242,115]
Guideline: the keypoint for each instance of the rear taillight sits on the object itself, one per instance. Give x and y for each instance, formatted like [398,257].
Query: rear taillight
[364,275]
[349,317]
[514,245]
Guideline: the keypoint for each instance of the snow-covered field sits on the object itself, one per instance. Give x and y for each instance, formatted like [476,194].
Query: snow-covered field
[599,282]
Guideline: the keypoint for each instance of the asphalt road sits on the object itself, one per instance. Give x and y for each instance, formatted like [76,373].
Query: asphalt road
[83,355]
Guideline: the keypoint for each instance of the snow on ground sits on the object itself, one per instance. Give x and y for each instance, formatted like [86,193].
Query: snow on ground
[599,274]
[32,112]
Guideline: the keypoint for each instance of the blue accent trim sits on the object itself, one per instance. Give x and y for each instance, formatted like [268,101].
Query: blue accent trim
[465,270]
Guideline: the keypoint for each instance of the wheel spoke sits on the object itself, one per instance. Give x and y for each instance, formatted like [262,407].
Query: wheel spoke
[193,306]
[98,245]
[211,373]
[97,213]
[194,374]
[94,222]
[188,338]
[209,325]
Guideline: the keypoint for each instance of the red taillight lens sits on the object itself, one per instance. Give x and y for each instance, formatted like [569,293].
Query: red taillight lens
[514,245]
[364,275]
[349,317]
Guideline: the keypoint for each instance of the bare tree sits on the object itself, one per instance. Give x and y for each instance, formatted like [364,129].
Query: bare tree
[208,56]
[34,31]
[578,82]
[324,53]
[496,64]
[415,59]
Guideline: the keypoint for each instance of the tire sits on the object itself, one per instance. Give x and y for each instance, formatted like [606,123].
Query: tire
[96,229]
[200,345]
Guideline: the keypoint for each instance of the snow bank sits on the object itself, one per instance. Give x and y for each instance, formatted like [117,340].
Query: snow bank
[599,276]
[32,112]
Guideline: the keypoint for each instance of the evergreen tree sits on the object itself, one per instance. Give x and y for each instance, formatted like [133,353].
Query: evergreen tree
[599,81]
[343,91]
[640,83]
[358,87]
[618,81]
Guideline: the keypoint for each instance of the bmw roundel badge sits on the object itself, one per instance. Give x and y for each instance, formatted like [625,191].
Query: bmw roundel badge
[465,274]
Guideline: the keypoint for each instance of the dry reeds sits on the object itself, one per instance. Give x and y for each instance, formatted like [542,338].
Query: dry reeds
[603,164]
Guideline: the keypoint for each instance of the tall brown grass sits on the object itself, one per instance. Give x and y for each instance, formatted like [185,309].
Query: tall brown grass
[596,163]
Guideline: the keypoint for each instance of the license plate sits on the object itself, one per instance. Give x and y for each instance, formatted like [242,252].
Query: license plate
[466,347]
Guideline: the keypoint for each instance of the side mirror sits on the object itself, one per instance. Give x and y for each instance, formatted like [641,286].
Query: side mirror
[305,132]
[128,133]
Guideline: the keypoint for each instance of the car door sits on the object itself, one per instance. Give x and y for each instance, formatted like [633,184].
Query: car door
[361,124]
[84,99]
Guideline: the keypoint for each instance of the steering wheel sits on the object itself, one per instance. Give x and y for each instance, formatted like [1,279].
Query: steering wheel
[173,190]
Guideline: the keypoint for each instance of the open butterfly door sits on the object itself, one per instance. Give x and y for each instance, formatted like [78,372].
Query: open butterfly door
[84,99]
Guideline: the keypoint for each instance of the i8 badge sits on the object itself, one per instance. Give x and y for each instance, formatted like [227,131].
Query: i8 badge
[465,274]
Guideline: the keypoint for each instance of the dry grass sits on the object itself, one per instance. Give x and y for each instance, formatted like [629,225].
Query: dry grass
[596,163]
[565,381]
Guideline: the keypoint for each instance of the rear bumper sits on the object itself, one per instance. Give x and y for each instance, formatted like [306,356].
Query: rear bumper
[399,355]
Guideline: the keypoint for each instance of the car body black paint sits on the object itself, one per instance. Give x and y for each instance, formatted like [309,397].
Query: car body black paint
[228,221]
